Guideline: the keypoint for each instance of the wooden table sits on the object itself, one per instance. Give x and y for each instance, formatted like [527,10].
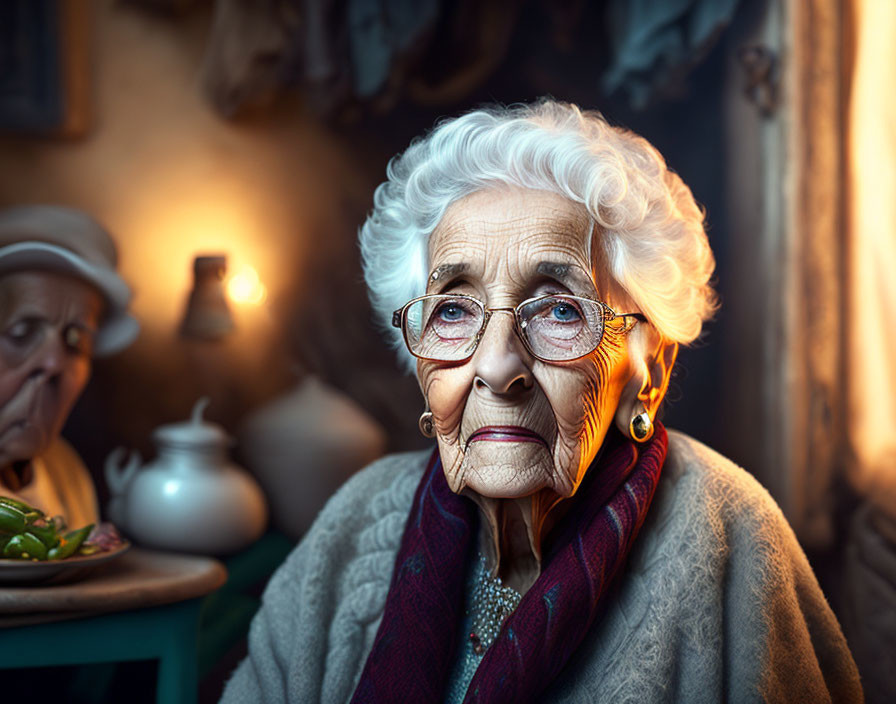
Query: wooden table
[144,605]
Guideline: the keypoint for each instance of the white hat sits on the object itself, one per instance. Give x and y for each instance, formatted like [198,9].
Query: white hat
[65,240]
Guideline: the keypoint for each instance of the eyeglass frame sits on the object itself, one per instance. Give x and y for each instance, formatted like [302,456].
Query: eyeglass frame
[400,316]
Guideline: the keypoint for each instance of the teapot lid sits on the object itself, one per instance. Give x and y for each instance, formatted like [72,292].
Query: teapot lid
[193,433]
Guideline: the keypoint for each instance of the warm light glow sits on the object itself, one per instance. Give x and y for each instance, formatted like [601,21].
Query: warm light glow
[872,310]
[245,287]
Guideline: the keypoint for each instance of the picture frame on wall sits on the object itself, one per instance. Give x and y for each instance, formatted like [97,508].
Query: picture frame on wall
[44,67]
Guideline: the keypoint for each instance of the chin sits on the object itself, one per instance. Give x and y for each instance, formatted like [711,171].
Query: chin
[503,490]
[506,470]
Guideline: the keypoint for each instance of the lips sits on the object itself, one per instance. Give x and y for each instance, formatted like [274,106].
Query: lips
[506,433]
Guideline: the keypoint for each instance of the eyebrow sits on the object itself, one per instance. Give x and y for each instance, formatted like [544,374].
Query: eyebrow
[566,274]
[446,271]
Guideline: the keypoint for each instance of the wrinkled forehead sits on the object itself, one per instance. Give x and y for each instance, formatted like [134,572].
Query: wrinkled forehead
[515,233]
[48,294]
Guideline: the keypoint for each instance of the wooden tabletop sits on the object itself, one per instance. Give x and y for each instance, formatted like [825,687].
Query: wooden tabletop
[137,579]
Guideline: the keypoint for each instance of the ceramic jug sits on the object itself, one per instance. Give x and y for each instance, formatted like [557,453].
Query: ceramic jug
[191,497]
[288,440]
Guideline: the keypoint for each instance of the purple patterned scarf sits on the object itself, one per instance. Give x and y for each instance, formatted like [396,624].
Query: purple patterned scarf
[416,641]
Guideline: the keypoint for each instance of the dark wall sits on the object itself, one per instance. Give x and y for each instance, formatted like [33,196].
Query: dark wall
[323,311]
[685,123]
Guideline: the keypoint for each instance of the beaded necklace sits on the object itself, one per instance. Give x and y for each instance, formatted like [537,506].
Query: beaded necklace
[492,602]
[488,604]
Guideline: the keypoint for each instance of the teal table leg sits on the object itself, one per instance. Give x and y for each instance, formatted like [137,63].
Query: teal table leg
[167,633]
[178,679]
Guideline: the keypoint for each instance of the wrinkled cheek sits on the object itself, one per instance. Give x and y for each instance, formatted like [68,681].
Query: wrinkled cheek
[581,423]
[73,383]
[447,391]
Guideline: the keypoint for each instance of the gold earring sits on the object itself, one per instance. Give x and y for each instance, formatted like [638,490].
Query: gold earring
[426,424]
[641,427]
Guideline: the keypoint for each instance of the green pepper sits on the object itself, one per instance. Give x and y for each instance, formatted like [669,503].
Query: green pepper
[47,534]
[58,522]
[25,545]
[71,542]
[12,520]
[21,505]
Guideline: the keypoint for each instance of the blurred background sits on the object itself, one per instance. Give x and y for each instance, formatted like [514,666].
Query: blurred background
[257,131]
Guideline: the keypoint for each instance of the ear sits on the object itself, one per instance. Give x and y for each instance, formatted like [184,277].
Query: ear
[641,394]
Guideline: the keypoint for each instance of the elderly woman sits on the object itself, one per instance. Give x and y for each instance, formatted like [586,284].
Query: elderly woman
[540,268]
[61,303]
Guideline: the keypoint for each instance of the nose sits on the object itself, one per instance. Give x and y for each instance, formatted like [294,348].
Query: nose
[50,357]
[503,365]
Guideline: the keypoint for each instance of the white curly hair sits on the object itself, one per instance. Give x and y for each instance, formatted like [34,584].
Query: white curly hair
[650,227]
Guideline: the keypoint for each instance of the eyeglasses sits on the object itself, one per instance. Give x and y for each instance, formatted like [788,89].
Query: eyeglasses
[554,328]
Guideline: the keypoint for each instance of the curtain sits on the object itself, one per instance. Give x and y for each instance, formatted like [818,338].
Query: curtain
[871,310]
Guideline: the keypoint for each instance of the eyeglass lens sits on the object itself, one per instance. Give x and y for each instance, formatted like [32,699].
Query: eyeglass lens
[556,328]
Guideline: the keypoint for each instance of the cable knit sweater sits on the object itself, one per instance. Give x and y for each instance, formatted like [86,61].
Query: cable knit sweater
[717,603]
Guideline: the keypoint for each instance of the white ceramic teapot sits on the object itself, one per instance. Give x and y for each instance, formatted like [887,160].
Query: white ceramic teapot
[191,497]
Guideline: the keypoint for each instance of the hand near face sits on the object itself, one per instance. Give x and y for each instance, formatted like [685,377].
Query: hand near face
[510,425]
[47,325]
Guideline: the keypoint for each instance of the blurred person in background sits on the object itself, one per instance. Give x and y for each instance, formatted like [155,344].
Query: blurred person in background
[61,303]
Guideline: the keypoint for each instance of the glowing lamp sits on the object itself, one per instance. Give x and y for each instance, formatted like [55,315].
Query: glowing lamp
[207,315]
[246,287]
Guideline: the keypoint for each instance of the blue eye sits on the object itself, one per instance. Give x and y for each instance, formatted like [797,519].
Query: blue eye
[565,313]
[451,312]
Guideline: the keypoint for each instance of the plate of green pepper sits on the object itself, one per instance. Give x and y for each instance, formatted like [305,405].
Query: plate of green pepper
[35,547]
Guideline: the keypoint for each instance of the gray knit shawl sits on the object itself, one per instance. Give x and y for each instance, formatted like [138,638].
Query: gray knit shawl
[718,602]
